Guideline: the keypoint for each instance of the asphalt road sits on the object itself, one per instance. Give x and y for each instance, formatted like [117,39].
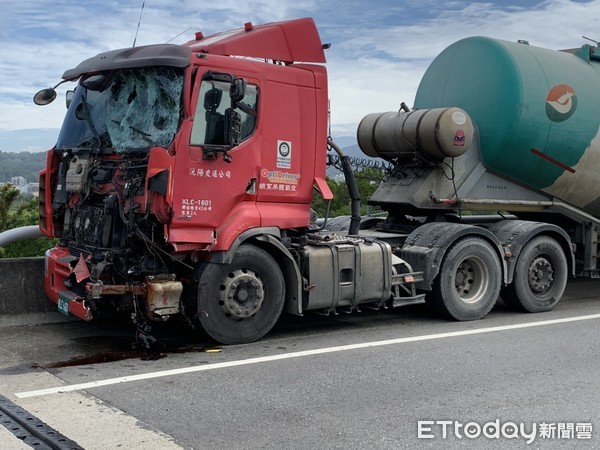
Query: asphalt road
[351,381]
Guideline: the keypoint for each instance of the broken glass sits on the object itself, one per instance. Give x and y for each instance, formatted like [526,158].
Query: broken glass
[133,111]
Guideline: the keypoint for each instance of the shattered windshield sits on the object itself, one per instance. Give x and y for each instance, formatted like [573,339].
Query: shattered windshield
[133,110]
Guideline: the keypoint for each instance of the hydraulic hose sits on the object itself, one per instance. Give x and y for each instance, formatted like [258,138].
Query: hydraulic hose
[352,188]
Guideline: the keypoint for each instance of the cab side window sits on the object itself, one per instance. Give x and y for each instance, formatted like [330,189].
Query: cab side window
[209,118]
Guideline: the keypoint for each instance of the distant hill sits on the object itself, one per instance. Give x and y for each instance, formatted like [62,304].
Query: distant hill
[345,141]
[354,151]
[24,164]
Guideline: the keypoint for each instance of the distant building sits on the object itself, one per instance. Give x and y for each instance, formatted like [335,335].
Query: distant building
[18,181]
[30,189]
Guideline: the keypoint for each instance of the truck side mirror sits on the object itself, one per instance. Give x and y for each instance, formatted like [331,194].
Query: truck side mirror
[237,91]
[44,97]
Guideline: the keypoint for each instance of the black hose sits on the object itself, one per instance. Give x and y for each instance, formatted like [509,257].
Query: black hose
[352,189]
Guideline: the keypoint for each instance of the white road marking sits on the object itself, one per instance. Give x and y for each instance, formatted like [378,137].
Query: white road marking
[300,354]
[89,421]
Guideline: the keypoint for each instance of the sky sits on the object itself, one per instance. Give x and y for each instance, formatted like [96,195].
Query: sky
[379,48]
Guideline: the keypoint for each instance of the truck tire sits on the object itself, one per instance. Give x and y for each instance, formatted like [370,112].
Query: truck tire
[468,284]
[240,302]
[540,277]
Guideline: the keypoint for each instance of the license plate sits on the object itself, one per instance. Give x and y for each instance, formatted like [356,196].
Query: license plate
[63,306]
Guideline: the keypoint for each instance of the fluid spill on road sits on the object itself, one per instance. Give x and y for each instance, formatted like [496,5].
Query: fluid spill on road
[106,349]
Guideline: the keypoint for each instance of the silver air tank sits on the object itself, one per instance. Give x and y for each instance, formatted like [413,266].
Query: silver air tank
[434,133]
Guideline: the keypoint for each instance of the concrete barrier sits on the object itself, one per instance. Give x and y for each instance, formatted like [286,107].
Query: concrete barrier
[22,298]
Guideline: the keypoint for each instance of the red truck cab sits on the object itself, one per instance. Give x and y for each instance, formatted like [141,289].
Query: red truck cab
[172,156]
[181,184]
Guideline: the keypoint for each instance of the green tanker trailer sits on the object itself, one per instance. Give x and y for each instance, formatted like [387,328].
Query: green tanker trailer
[494,174]
[538,112]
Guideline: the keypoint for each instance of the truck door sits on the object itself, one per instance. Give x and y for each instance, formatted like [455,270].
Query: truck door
[214,186]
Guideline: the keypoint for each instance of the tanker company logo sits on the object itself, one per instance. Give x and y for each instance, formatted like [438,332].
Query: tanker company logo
[277,176]
[561,102]
[459,139]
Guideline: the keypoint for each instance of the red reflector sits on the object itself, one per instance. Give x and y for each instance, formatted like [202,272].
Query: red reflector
[248,26]
[199,35]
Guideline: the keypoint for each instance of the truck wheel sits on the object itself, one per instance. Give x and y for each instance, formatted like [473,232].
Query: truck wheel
[468,284]
[240,302]
[540,277]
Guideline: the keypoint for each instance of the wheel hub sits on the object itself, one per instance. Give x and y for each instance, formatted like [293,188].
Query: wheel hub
[470,280]
[541,275]
[242,294]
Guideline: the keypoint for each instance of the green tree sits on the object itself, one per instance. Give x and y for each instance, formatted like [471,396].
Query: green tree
[25,214]
[8,195]
[367,180]
[23,164]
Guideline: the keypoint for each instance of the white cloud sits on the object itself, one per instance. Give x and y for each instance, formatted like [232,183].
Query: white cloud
[553,24]
[364,85]
[389,61]
[380,50]
[22,115]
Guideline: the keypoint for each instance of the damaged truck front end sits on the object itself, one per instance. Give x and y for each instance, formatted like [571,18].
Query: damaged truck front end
[104,190]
